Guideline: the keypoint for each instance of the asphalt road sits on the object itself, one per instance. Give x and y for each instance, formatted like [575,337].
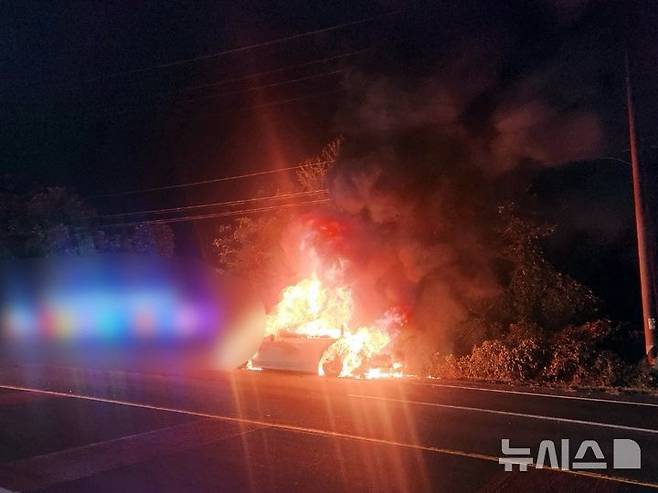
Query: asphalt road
[74,430]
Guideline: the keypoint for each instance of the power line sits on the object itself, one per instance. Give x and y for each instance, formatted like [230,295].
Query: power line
[215,214]
[216,204]
[266,72]
[165,103]
[244,107]
[276,102]
[258,88]
[241,49]
[249,175]
[202,182]
[193,100]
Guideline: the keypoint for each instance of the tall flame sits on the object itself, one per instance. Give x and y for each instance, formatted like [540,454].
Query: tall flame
[312,309]
[309,309]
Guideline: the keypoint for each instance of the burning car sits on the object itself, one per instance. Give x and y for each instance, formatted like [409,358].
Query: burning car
[309,331]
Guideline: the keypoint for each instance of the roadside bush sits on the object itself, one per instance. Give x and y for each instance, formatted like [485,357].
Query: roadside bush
[445,366]
[642,376]
[607,371]
[528,359]
[568,360]
[589,354]
[521,331]
[585,355]
[475,331]
[493,360]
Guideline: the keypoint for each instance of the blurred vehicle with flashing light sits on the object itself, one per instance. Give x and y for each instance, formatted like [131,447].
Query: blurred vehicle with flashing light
[127,311]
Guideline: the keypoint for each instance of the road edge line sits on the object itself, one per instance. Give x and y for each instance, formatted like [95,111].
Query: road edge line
[325,433]
[537,394]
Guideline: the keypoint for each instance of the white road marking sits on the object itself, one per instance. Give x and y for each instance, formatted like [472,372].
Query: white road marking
[326,433]
[508,413]
[539,394]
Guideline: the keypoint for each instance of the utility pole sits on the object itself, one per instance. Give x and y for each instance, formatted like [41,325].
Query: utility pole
[646,254]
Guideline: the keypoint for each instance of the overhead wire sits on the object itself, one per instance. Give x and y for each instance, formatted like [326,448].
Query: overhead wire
[257,75]
[203,182]
[229,203]
[162,97]
[215,215]
[265,86]
[242,49]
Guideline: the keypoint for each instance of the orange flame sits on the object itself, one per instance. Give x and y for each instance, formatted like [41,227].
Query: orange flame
[312,309]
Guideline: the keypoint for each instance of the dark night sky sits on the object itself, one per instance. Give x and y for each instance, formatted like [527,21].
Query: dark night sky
[77,120]
[73,113]
[79,110]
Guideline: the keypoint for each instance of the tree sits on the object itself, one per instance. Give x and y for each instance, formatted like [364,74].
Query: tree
[537,293]
[49,221]
[44,222]
[151,239]
[536,300]
[313,172]
[250,247]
